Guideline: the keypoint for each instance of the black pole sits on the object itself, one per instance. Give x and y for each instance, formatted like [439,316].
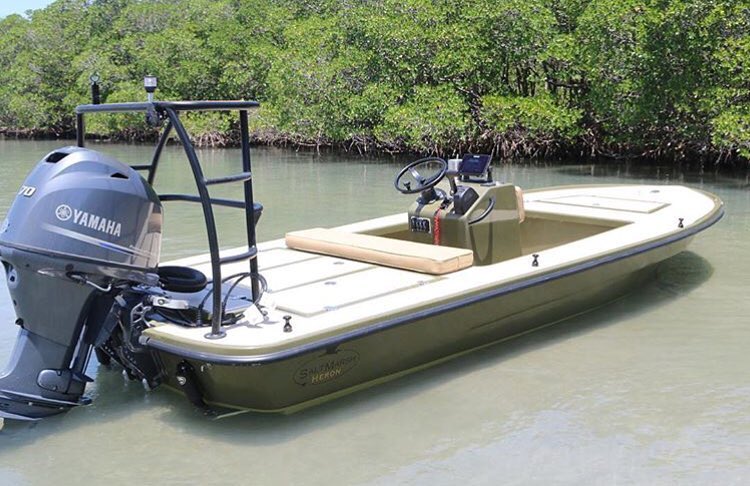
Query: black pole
[95,94]
[208,214]
[157,152]
[249,201]
[80,129]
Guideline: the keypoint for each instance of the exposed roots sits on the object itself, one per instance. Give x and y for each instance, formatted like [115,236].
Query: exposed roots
[513,144]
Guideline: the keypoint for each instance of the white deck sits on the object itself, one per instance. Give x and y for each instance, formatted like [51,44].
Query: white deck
[325,294]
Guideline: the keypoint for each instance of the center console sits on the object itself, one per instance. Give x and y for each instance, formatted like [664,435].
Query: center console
[476,213]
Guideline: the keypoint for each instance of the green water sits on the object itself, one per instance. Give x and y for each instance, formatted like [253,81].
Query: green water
[653,389]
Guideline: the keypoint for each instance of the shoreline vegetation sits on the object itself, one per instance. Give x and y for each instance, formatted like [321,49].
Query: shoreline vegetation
[647,79]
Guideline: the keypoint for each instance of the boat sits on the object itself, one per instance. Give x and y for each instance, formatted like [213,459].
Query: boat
[285,324]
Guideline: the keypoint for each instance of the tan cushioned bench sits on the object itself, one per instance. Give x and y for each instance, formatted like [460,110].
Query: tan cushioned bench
[420,257]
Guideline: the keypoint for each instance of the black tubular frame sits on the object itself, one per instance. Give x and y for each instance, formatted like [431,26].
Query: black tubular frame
[169,110]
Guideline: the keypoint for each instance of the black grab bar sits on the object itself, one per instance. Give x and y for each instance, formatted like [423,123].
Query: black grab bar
[169,111]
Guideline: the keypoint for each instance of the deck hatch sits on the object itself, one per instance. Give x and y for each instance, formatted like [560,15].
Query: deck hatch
[367,285]
[306,272]
[611,203]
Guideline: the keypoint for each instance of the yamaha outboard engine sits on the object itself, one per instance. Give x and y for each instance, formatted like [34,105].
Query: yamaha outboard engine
[82,225]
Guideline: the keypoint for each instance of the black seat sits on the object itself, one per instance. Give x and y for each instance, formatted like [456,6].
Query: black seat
[181,279]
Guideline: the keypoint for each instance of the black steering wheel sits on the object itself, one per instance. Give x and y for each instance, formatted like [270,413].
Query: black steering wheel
[421,183]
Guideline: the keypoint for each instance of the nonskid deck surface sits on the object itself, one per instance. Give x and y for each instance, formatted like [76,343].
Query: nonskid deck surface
[327,295]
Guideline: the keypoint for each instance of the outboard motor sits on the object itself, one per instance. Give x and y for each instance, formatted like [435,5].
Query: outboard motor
[82,225]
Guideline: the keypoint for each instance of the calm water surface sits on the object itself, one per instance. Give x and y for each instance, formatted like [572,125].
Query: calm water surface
[653,389]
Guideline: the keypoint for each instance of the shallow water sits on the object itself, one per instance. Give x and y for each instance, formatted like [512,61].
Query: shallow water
[651,389]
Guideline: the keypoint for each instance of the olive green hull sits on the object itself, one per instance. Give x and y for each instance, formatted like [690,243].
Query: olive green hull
[294,380]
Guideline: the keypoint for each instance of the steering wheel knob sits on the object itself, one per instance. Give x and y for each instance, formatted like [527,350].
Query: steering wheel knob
[422,183]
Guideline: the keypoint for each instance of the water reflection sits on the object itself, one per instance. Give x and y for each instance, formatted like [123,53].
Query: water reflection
[737,178]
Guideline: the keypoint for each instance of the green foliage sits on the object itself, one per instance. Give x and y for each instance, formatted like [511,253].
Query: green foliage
[732,130]
[309,83]
[434,120]
[633,77]
[729,98]
[34,83]
[128,126]
[538,116]
[652,80]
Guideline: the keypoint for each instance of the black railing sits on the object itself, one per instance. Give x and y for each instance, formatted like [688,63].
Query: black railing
[169,110]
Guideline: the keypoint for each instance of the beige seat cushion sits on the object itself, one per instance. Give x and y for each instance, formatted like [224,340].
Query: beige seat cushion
[420,257]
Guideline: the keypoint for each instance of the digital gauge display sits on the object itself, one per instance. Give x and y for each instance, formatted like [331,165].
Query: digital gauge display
[475,165]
